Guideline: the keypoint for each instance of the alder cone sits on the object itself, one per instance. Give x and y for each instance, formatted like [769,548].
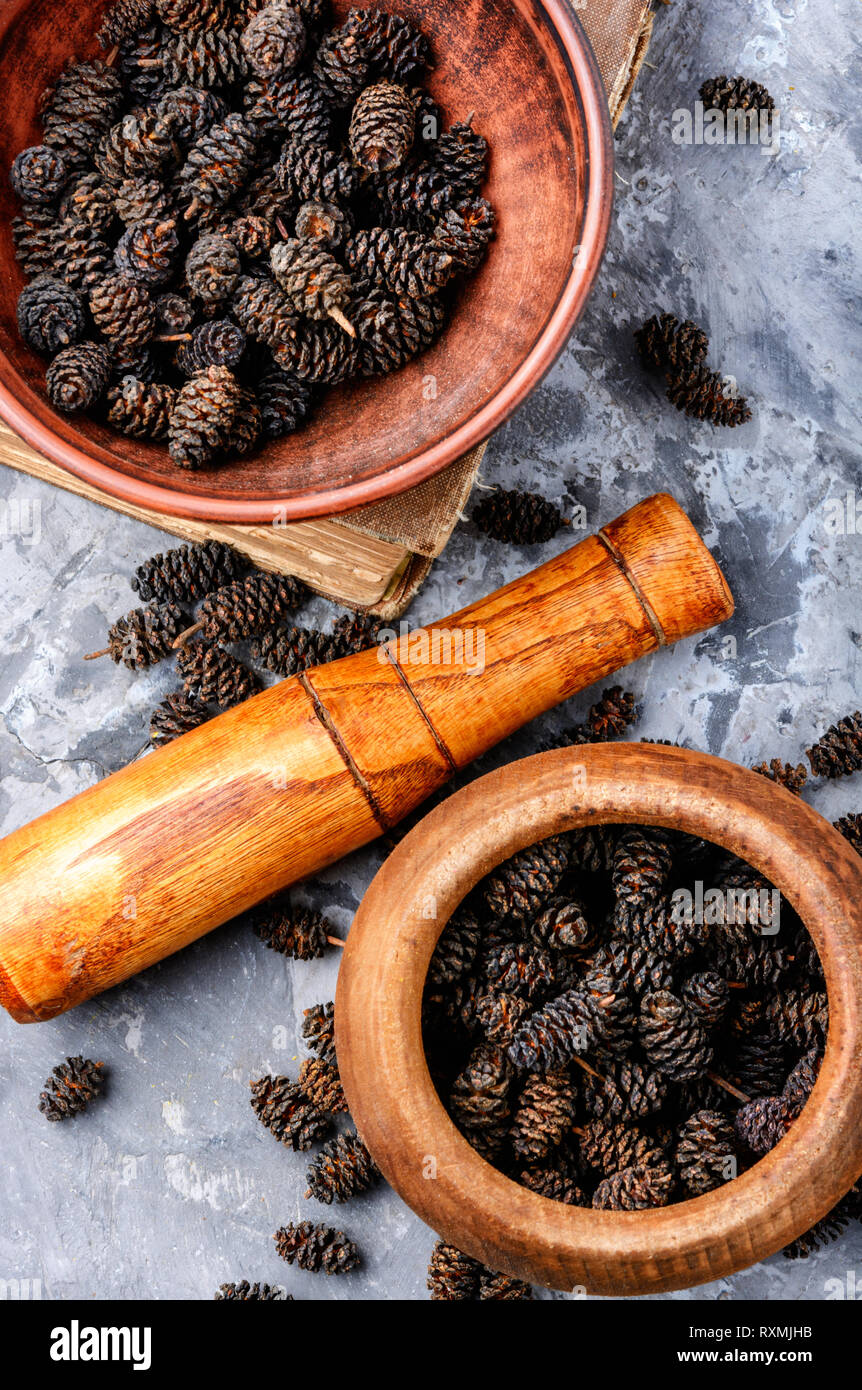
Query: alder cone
[244,1292]
[123,309]
[219,162]
[192,15]
[141,409]
[502,1287]
[285,402]
[203,418]
[635,1189]
[319,352]
[518,518]
[80,255]
[307,171]
[701,394]
[140,200]
[311,278]
[453,1277]
[314,1248]
[705,1151]
[147,251]
[672,1040]
[274,39]
[405,262]
[523,883]
[78,377]
[341,65]
[189,572]
[213,268]
[293,105]
[38,175]
[177,714]
[838,753]
[264,311]
[50,315]
[284,1108]
[297,932]
[214,676]
[146,635]
[544,1113]
[70,1088]
[381,128]
[318,1031]
[211,58]
[249,606]
[123,20]
[322,1084]
[191,111]
[665,344]
[343,1168]
[219,343]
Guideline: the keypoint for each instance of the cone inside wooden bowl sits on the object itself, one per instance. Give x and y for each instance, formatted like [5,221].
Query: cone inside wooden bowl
[392,1097]
[527,73]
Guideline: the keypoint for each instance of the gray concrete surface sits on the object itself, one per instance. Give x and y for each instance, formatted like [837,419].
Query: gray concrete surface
[171,1186]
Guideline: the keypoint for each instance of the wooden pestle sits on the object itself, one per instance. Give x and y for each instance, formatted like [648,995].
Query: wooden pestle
[175,844]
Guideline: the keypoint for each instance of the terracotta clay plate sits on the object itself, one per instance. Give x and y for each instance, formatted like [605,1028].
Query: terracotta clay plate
[527,72]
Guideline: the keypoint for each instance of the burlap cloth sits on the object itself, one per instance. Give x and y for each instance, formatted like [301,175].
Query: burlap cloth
[423,518]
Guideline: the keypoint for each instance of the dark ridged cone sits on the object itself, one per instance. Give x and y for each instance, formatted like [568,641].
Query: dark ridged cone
[592,849]
[734,94]
[523,883]
[666,345]
[78,377]
[263,311]
[321,353]
[464,232]
[798,1016]
[306,171]
[542,1116]
[294,105]
[284,403]
[318,1031]
[519,968]
[250,605]
[566,1026]
[706,996]
[191,111]
[461,155]
[70,1088]
[193,15]
[701,394]
[638,968]
[204,417]
[214,676]
[293,649]
[393,46]
[672,1040]
[759,964]
[479,1101]
[456,949]
[762,1123]
[554,1183]
[213,268]
[342,1169]
[146,635]
[800,1082]
[141,409]
[392,329]
[758,1064]
[80,255]
[316,1248]
[661,928]
[518,518]
[50,315]
[147,251]
[839,752]
[175,313]
[209,59]
[33,237]
[608,1147]
[123,20]
[38,174]
[219,343]
[499,1016]
[324,222]
[635,1189]
[404,262]
[299,932]
[642,862]
[90,201]
[189,572]
[274,39]
[139,146]
[219,162]
[381,127]
[177,714]
[244,1292]
[123,310]
[626,1090]
[453,1277]
[287,1112]
[562,925]
[322,1084]
[851,828]
[784,774]
[311,278]
[502,1288]
[341,66]
[705,1151]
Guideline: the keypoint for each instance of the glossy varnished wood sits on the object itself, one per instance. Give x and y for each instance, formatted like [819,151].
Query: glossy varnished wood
[183,839]
[526,70]
[386,1078]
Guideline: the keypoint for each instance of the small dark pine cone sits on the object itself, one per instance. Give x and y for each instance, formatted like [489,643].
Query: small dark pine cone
[611,1000]
[672,1039]
[758,964]
[635,1189]
[214,676]
[555,1183]
[381,127]
[208,59]
[203,418]
[341,65]
[415,197]
[561,926]
[610,716]
[326,222]
[147,251]
[146,635]
[800,1082]
[522,885]
[213,268]
[518,518]
[316,1248]
[219,343]
[456,949]
[666,345]
[79,376]
[565,1026]
[465,232]
[177,714]
[189,572]
[307,171]
[263,311]
[123,20]
[658,930]
[174,312]
[706,995]
[293,649]
[218,163]
[502,1287]
[38,175]
[252,236]
[123,310]
[839,751]
[851,828]
[80,255]
[142,200]
[393,329]
[638,968]
[500,1016]
[785,774]
[592,849]
[642,863]
[519,968]
[608,1147]
[543,1115]
[322,1084]
[50,315]
[705,1151]
[404,262]
[245,1292]
[92,202]
[479,1102]
[321,353]
[757,1065]
[90,93]
[735,94]
[287,1112]
[627,1090]
[140,146]
[293,107]
[274,39]
[312,279]
[341,1170]
[762,1123]
[70,1088]
[193,15]
[141,409]
[284,403]
[461,155]
[33,237]
[299,932]
[452,1275]
[250,605]
[318,1031]
[190,111]
[394,47]
[700,393]
[798,1016]
[357,632]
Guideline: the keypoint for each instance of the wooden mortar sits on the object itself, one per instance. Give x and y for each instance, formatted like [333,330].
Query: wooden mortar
[386,1078]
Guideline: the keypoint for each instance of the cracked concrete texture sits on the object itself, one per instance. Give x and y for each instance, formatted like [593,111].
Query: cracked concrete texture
[170,1187]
